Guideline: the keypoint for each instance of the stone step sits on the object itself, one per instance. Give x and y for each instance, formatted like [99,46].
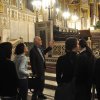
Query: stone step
[50,86]
[47,92]
[50,78]
[50,69]
[50,81]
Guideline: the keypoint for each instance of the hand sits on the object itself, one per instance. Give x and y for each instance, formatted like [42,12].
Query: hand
[51,43]
[35,75]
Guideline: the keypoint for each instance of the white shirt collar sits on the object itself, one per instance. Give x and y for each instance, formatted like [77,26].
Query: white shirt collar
[82,50]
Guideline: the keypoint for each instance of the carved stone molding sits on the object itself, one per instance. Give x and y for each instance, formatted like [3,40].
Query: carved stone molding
[4,22]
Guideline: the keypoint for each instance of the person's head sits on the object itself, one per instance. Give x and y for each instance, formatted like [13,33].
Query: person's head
[5,50]
[82,44]
[20,49]
[37,41]
[71,44]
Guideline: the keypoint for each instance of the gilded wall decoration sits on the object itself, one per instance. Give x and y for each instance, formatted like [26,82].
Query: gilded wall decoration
[96,47]
[5,9]
[1,7]
[75,8]
[91,1]
[28,18]
[84,1]
[19,15]
[21,4]
[14,14]
[84,17]
[23,17]
[13,2]
[8,12]
[0,22]
[4,21]
[5,1]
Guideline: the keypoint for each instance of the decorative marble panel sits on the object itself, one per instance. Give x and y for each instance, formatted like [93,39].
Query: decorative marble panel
[58,49]
[96,48]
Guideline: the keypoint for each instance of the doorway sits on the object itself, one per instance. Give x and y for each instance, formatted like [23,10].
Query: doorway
[43,37]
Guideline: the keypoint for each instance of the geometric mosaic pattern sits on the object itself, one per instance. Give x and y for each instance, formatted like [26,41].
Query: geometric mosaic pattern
[58,49]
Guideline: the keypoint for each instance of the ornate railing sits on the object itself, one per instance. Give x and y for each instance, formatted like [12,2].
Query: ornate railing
[58,49]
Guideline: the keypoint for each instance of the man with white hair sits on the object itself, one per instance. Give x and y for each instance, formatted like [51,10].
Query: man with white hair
[37,61]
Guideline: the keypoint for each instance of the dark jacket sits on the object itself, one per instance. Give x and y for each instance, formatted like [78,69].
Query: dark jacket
[37,62]
[97,77]
[84,73]
[84,76]
[97,71]
[8,78]
[65,67]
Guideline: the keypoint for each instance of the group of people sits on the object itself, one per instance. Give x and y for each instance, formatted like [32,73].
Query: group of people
[78,63]
[14,74]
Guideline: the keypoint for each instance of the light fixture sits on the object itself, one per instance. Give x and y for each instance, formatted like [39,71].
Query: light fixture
[48,4]
[66,15]
[36,6]
[74,17]
[57,10]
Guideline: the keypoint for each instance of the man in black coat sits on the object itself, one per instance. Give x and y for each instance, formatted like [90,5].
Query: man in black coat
[37,61]
[97,77]
[84,71]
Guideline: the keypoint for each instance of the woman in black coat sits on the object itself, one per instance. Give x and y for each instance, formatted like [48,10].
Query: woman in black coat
[8,75]
[66,64]
[65,69]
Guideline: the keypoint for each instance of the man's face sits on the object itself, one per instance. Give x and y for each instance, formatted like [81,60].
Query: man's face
[38,41]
